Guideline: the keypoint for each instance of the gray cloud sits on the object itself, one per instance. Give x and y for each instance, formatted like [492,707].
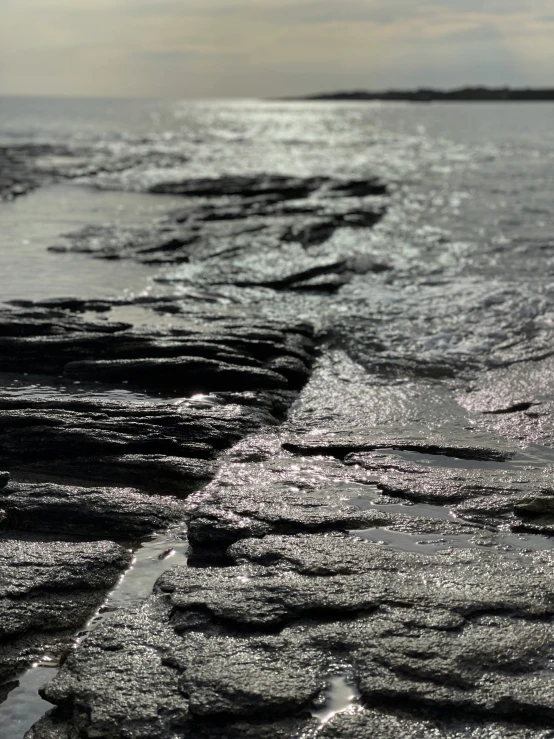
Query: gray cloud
[268,47]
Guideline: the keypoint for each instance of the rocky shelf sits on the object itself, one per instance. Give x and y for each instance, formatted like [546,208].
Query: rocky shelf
[368,513]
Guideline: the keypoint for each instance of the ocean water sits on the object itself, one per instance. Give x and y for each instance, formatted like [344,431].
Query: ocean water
[472,182]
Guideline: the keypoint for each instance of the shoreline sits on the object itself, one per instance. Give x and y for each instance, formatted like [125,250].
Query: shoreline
[428,95]
[365,528]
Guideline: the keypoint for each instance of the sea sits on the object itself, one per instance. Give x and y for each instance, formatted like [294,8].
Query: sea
[477,178]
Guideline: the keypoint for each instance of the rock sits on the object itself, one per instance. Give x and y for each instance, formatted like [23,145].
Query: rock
[445,442]
[244,186]
[364,413]
[434,484]
[515,401]
[360,724]
[120,513]
[519,497]
[155,473]
[230,353]
[187,374]
[259,230]
[291,495]
[47,590]
[112,442]
[18,173]
[463,632]
[54,727]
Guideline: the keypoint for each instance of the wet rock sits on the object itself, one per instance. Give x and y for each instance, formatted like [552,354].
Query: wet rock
[443,484]
[26,166]
[519,497]
[244,186]
[151,244]
[48,589]
[449,327]
[167,691]
[360,724]
[446,442]
[215,351]
[187,374]
[270,599]
[155,473]
[345,409]
[464,633]
[55,727]
[51,727]
[291,495]
[121,513]
[18,171]
[516,401]
[264,230]
[114,442]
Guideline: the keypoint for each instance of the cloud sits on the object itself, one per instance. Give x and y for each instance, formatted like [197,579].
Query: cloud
[268,47]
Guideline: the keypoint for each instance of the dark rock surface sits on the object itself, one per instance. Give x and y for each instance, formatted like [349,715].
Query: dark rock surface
[156,446]
[288,495]
[26,166]
[269,230]
[217,353]
[516,401]
[465,632]
[47,590]
[18,171]
[519,497]
[345,409]
[361,430]
[120,513]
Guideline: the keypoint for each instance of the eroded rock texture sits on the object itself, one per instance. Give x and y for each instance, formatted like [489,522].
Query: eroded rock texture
[464,633]
[48,591]
[362,435]
[267,231]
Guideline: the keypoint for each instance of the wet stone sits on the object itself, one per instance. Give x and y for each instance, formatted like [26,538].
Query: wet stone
[466,633]
[406,429]
[262,230]
[447,442]
[18,171]
[345,409]
[286,494]
[154,473]
[48,589]
[360,724]
[516,401]
[121,513]
[152,445]
[519,497]
[214,353]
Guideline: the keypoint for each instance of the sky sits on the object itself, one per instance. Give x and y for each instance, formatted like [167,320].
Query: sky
[253,48]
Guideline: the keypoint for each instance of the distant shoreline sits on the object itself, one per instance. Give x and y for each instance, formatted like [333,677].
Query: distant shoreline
[429,95]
